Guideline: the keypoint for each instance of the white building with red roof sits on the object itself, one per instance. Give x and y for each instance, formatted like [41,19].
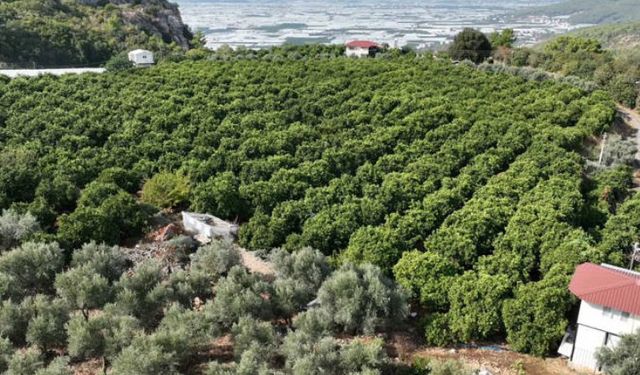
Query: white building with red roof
[361,48]
[610,308]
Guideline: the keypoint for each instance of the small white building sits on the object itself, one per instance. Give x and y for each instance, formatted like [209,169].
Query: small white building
[609,308]
[362,48]
[141,57]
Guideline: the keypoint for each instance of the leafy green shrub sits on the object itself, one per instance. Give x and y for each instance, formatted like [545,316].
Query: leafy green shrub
[427,276]
[166,190]
[471,45]
[220,196]
[106,214]
[118,63]
[535,320]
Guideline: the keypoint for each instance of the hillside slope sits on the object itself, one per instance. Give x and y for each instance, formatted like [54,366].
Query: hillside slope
[625,36]
[466,186]
[592,11]
[50,33]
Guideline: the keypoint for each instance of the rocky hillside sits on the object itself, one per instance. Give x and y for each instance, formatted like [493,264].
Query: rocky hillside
[49,33]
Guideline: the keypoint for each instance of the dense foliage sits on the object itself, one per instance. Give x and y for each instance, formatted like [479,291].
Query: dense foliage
[582,56]
[143,319]
[51,33]
[471,44]
[466,186]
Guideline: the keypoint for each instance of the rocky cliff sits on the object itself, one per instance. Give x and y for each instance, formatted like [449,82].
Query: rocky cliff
[156,17]
[76,33]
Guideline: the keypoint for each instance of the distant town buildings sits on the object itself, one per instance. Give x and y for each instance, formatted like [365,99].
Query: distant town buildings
[362,48]
[141,57]
[610,308]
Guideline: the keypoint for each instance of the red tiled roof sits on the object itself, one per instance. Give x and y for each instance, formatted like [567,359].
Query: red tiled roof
[607,286]
[362,44]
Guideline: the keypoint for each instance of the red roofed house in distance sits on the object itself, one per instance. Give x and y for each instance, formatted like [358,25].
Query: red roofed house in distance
[610,308]
[362,48]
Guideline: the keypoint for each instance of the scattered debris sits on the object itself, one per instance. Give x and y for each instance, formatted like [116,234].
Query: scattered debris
[166,233]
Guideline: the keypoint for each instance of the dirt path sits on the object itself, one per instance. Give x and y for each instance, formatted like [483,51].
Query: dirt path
[502,362]
[631,118]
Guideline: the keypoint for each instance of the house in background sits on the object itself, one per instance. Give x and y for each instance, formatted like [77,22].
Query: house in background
[141,57]
[362,48]
[609,308]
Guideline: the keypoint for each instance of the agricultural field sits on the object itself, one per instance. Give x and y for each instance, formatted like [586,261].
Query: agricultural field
[466,188]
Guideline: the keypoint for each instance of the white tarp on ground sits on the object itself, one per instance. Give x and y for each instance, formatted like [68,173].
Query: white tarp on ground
[208,226]
[14,73]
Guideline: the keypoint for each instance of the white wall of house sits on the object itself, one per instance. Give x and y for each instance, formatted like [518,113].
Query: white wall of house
[141,57]
[608,320]
[357,52]
[599,326]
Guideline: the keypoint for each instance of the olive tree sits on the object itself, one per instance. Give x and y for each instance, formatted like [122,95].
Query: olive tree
[623,359]
[14,319]
[142,294]
[15,227]
[6,351]
[251,334]
[298,277]
[84,289]
[103,335]
[45,329]
[359,298]
[107,261]
[29,269]
[237,295]
[144,357]
[25,362]
[216,259]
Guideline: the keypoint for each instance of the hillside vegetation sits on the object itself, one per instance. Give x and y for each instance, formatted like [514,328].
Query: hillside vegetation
[464,186]
[592,11]
[620,37]
[54,33]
